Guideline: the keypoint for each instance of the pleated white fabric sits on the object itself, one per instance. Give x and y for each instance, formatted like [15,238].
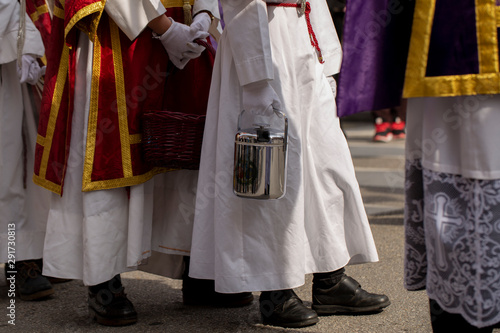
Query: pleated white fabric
[456,135]
[21,202]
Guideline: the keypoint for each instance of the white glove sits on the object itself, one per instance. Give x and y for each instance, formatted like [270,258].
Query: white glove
[177,41]
[30,71]
[201,22]
[260,98]
[333,85]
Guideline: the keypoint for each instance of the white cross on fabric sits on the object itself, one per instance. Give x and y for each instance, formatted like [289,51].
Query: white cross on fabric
[442,219]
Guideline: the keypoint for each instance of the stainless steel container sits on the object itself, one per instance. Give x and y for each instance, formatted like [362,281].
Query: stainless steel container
[260,161]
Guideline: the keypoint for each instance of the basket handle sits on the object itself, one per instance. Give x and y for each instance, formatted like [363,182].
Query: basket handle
[206,44]
[279,114]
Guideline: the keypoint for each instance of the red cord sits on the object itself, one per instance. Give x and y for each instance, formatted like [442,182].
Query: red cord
[312,35]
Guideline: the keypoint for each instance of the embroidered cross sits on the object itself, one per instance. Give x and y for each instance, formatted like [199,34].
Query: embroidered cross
[442,220]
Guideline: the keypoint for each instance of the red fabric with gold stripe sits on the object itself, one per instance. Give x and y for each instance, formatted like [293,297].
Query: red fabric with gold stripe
[39,14]
[129,77]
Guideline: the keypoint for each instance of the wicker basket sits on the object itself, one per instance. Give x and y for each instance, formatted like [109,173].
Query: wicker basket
[172,139]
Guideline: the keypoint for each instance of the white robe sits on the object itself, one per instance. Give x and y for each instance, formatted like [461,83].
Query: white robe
[93,236]
[24,206]
[320,224]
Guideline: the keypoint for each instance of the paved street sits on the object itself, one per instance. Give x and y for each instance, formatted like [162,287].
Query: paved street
[380,171]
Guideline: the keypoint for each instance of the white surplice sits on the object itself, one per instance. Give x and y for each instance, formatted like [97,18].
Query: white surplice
[21,202]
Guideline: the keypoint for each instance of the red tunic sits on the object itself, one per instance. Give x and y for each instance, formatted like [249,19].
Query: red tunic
[128,77]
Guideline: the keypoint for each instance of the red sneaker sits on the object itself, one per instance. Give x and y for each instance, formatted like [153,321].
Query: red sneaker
[383,131]
[398,129]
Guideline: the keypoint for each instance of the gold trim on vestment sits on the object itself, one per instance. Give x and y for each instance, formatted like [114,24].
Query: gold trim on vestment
[488,79]
[96,7]
[175,3]
[62,75]
[135,138]
[40,140]
[43,9]
[93,113]
[47,184]
[121,102]
[486,23]
[122,182]
[58,12]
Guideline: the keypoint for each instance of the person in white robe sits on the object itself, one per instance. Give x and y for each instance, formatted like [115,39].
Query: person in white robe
[268,57]
[94,236]
[24,206]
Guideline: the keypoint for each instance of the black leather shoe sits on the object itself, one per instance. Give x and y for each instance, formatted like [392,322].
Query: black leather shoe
[30,284]
[111,307]
[202,293]
[285,309]
[347,297]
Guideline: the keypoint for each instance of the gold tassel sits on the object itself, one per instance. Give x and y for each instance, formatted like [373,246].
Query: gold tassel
[188,18]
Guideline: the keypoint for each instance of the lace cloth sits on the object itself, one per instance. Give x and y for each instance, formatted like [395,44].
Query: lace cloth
[452,242]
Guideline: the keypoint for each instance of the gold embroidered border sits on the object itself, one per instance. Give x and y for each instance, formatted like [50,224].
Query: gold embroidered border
[47,184]
[488,79]
[122,182]
[175,3]
[135,139]
[419,48]
[39,11]
[93,112]
[58,12]
[40,140]
[486,23]
[121,102]
[96,7]
[54,110]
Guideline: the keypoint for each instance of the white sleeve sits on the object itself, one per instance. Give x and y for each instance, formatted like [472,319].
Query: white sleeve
[211,5]
[328,40]
[247,30]
[132,16]
[9,26]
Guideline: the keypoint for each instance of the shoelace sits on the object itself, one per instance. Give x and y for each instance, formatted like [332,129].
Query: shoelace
[30,268]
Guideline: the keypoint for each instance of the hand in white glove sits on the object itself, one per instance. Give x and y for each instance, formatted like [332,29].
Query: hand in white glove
[177,41]
[29,71]
[260,98]
[201,22]
[333,84]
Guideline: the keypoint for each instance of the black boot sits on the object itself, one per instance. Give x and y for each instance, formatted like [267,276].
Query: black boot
[284,308]
[30,284]
[336,292]
[202,292]
[108,304]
